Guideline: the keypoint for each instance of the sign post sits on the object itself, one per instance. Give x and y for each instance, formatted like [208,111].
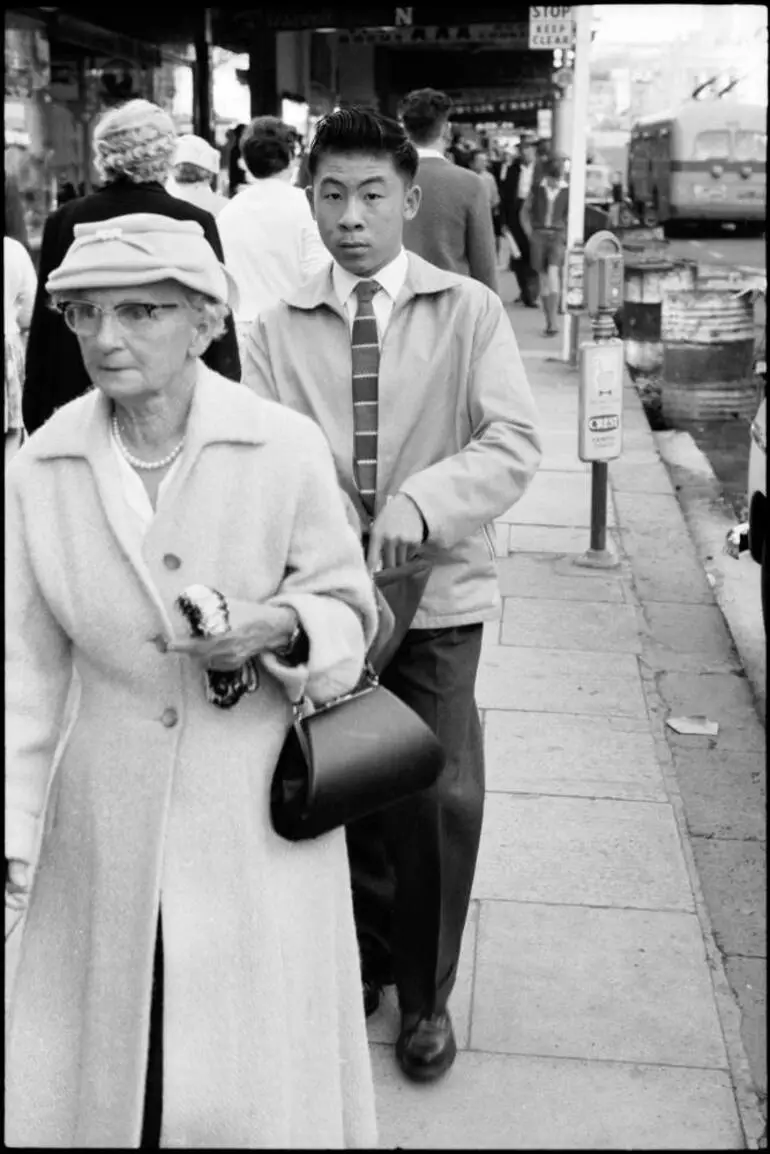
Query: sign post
[577,153]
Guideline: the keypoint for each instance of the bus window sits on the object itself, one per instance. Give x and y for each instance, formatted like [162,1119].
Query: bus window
[712,145]
[750,145]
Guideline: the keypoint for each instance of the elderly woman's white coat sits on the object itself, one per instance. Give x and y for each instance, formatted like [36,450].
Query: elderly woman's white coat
[161,796]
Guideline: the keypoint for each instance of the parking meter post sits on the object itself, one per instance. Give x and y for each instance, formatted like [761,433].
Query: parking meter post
[600,389]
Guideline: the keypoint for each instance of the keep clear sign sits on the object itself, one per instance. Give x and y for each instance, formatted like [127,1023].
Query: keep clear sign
[600,401]
[551,27]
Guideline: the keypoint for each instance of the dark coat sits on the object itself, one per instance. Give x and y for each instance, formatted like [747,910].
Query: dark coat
[55,373]
[509,193]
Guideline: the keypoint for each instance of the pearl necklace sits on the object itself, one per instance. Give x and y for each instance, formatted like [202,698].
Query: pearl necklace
[135,461]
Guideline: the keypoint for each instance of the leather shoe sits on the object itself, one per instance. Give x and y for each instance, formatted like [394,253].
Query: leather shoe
[372,993]
[427,1048]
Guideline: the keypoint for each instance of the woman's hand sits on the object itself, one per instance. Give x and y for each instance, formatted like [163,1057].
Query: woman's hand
[17,884]
[266,627]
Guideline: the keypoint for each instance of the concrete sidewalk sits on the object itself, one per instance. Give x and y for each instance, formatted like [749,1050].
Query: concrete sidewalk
[591,1008]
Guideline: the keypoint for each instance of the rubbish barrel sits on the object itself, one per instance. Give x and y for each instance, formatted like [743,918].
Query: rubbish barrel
[708,350]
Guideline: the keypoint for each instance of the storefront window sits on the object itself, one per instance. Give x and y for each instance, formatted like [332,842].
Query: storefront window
[28,149]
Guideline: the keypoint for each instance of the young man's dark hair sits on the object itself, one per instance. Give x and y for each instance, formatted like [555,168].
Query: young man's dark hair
[267,146]
[424,113]
[360,130]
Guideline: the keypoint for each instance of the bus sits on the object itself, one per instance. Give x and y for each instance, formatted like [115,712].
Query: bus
[705,162]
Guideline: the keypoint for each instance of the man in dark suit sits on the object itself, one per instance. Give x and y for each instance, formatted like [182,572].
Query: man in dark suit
[515,185]
[453,227]
[133,151]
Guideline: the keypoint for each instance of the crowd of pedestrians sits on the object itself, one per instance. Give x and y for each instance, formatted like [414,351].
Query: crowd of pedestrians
[283,398]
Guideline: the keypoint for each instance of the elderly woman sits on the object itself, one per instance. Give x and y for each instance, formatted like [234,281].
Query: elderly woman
[173,942]
[133,151]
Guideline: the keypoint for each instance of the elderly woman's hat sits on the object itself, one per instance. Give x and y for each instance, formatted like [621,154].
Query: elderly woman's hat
[142,248]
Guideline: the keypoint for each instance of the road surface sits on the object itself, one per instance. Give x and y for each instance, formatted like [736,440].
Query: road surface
[718,247]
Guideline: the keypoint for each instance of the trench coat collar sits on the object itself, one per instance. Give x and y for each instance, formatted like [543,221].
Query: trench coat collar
[82,428]
[222,412]
[422,279]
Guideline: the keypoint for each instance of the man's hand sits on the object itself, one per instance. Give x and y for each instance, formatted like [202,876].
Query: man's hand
[396,534]
[16,884]
[268,627]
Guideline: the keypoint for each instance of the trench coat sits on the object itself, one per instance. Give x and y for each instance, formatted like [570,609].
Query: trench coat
[458,425]
[160,797]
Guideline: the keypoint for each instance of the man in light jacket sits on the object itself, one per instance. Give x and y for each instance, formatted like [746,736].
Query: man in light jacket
[415,377]
[270,240]
[453,227]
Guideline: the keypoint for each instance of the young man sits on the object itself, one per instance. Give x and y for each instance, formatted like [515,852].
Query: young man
[453,228]
[544,218]
[415,377]
[270,240]
[515,187]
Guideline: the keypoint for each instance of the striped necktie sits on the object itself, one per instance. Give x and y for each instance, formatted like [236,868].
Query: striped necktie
[366,364]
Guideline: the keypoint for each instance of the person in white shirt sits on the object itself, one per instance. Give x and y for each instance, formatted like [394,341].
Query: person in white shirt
[544,219]
[19,288]
[270,240]
[195,165]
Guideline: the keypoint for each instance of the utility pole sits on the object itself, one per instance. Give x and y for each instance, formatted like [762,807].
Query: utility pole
[581,81]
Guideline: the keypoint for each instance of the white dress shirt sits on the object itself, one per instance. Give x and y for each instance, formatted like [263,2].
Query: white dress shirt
[391,278]
[525,181]
[139,510]
[271,244]
[421,152]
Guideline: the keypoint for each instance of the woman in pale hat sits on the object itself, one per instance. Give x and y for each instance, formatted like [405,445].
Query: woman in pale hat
[185,977]
[196,165]
[133,148]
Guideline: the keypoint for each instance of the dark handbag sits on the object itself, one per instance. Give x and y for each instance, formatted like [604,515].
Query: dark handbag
[402,588]
[352,756]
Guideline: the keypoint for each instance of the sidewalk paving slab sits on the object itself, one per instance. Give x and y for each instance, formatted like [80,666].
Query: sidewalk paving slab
[560,681]
[609,984]
[557,498]
[556,577]
[589,851]
[572,756]
[589,626]
[503,1102]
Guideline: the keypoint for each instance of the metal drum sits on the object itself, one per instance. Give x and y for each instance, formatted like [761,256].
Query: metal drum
[708,351]
[647,282]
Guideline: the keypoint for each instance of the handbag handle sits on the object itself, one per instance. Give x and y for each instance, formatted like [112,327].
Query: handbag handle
[366,683]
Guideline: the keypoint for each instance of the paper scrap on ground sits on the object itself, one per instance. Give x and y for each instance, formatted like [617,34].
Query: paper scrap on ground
[695,726]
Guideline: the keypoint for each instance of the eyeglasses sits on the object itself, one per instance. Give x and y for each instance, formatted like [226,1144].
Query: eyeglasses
[134,317]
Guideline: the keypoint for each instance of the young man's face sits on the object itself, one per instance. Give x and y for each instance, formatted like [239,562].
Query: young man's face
[360,202]
[527,153]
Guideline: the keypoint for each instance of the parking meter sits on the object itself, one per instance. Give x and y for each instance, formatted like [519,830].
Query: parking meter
[600,385]
[603,277]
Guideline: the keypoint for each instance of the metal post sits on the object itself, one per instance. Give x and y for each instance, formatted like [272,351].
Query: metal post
[599,477]
[577,181]
[203,80]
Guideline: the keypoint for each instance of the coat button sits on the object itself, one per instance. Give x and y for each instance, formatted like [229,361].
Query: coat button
[171,561]
[170,718]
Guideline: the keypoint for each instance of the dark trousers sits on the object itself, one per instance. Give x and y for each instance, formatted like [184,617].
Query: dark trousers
[412,864]
[522,269]
[153,1091]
